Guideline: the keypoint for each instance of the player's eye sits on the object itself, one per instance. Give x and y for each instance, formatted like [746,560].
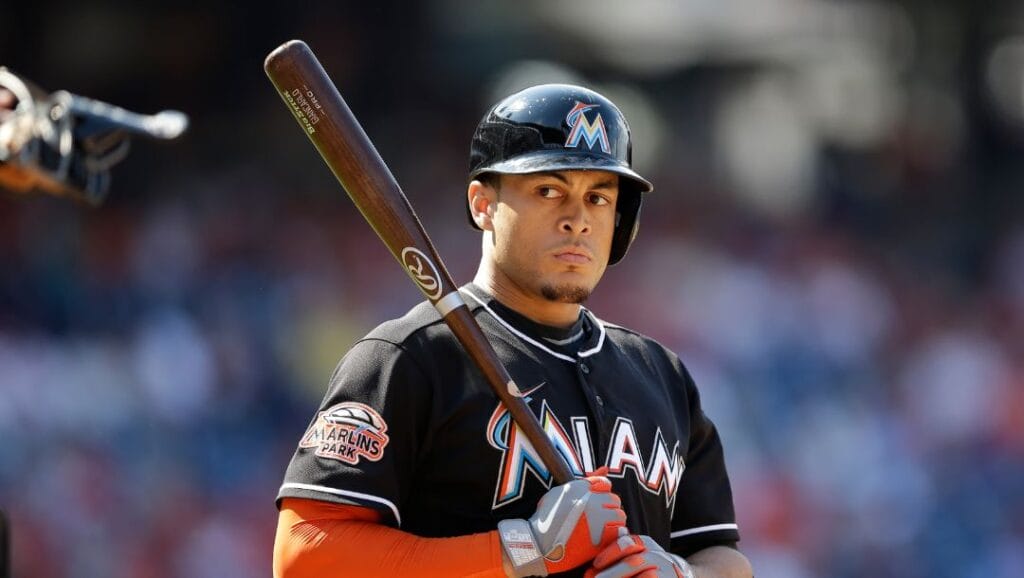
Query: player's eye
[548,192]
[597,199]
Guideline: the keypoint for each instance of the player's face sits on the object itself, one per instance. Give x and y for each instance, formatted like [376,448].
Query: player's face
[553,231]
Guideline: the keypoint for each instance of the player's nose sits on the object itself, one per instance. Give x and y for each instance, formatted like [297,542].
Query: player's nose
[576,219]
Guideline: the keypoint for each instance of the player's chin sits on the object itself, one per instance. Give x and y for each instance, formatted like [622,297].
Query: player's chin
[565,293]
[567,288]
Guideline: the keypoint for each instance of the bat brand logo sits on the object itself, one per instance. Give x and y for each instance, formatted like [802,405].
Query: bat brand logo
[347,432]
[305,107]
[592,133]
[423,272]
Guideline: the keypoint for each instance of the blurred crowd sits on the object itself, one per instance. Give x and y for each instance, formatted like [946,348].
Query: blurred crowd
[849,298]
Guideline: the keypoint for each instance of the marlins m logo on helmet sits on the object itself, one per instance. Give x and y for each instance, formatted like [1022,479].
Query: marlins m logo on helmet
[591,132]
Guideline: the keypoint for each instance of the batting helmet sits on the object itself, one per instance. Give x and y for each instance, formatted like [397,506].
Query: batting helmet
[556,127]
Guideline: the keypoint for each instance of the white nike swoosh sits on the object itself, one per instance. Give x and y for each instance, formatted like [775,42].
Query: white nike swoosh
[514,389]
[544,525]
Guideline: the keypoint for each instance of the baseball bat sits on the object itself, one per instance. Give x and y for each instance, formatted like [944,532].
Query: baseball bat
[5,546]
[326,119]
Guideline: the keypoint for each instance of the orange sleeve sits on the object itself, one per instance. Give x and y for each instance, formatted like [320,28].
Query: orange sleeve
[318,539]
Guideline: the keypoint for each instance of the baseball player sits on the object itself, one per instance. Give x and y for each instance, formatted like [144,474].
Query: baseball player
[412,466]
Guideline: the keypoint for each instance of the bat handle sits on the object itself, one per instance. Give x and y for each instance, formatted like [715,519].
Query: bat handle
[432,277]
[466,329]
[5,546]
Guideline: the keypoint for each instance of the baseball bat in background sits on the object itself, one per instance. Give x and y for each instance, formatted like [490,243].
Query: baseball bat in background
[327,120]
[5,546]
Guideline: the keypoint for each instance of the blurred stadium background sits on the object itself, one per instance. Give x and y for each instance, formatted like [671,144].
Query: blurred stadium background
[835,247]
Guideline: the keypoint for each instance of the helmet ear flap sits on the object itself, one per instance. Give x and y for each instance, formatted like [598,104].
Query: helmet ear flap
[627,224]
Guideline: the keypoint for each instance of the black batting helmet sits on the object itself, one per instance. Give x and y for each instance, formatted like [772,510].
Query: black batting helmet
[555,127]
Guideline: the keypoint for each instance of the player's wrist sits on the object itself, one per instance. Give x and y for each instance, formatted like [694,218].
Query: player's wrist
[520,552]
[684,567]
[633,555]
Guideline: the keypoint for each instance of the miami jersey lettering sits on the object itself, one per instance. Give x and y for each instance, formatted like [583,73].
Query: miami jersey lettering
[658,474]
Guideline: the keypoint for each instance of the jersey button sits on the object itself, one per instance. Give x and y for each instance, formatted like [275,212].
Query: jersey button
[584,368]
[599,401]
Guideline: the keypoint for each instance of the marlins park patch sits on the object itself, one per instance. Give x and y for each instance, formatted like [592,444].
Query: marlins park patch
[347,432]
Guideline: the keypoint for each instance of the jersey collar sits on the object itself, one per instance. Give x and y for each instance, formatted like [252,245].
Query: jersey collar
[540,335]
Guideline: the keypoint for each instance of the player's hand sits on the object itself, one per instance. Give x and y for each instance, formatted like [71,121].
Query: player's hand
[572,524]
[640,556]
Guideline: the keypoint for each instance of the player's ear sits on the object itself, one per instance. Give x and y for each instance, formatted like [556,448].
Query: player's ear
[483,199]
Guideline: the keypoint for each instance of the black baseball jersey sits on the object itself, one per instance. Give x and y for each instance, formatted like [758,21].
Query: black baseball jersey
[410,428]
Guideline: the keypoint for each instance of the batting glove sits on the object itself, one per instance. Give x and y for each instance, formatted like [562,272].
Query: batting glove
[573,522]
[638,556]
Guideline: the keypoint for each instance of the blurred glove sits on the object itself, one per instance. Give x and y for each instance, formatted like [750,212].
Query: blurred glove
[573,522]
[640,556]
[64,144]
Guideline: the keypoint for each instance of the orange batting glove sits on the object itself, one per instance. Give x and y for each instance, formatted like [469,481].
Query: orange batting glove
[632,556]
[573,522]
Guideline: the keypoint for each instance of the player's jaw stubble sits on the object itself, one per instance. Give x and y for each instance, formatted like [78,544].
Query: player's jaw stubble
[565,293]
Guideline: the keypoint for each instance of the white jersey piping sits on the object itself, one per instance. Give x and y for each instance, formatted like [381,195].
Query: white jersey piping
[337,492]
[702,529]
[600,337]
[567,340]
[539,345]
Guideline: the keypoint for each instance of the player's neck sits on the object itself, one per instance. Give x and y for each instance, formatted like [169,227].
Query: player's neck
[533,307]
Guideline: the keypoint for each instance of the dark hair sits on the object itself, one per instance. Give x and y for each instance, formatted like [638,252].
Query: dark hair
[492,180]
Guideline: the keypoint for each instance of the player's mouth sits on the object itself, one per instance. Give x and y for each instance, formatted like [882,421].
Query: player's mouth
[574,255]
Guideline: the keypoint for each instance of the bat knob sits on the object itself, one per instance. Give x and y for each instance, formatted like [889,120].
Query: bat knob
[283,51]
[168,124]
